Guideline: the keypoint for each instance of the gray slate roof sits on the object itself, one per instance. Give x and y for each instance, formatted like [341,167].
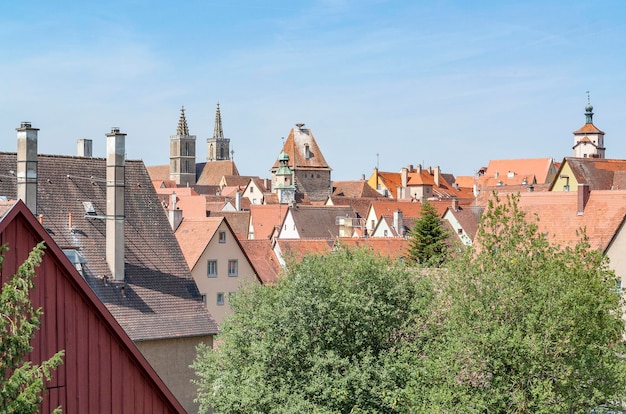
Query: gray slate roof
[160,299]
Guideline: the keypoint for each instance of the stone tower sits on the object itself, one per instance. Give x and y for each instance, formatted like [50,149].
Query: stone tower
[183,154]
[218,147]
[311,172]
[589,140]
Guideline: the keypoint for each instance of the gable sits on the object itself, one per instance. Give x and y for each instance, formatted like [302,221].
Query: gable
[116,378]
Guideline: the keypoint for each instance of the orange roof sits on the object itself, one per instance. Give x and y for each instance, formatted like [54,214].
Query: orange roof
[194,234]
[263,259]
[192,205]
[265,218]
[159,172]
[213,171]
[296,249]
[559,218]
[513,172]
[358,188]
[465,181]
[391,181]
[588,128]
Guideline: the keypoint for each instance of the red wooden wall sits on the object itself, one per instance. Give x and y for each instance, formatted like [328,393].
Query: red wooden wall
[103,371]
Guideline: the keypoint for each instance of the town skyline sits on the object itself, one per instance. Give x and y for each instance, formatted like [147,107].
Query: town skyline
[378,83]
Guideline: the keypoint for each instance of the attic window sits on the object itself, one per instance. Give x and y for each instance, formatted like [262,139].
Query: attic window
[89,209]
[307,151]
[77,259]
[511,174]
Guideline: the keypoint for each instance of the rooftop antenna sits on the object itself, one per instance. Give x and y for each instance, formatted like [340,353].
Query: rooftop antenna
[232,155]
[377,160]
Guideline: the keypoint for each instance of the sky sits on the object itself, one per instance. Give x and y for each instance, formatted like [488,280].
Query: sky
[380,83]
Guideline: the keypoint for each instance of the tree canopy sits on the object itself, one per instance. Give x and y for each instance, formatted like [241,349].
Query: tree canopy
[21,382]
[428,239]
[321,340]
[514,325]
[528,327]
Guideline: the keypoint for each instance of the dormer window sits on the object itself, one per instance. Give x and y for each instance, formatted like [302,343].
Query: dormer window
[307,151]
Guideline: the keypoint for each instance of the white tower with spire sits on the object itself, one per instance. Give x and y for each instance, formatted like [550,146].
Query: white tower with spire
[218,147]
[183,154]
[589,140]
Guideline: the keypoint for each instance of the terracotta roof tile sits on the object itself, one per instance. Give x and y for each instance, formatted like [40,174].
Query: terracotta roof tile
[357,189]
[212,172]
[263,259]
[599,173]
[559,218]
[318,222]
[588,128]
[194,234]
[265,218]
[239,221]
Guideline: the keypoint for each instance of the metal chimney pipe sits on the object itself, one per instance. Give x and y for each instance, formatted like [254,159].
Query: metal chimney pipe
[27,165]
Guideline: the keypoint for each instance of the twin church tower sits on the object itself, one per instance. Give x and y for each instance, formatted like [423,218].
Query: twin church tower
[183,150]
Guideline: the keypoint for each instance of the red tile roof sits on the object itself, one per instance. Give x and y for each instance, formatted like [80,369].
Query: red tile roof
[213,171]
[588,129]
[265,218]
[263,259]
[356,189]
[559,218]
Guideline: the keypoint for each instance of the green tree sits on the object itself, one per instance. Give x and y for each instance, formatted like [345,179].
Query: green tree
[21,382]
[324,339]
[528,327]
[428,239]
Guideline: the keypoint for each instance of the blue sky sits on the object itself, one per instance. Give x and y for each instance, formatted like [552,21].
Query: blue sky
[449,83]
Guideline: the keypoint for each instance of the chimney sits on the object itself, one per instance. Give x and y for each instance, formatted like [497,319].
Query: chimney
[267,182]
[115,203]
[174,214]
[238,201]
[27,165]
[398,222]
[455,204]
[410,168]
[84,148]
[437,175]
[419,168]
[404,177]
[583,197]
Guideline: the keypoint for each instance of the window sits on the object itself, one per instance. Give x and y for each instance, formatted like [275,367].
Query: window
[251,189]
[232,268]
[222,237]
[203,298]
[220,298]
[460,231]
[211,270]
[385,233]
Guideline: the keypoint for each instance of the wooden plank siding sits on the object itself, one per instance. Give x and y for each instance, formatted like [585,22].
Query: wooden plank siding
[103,371]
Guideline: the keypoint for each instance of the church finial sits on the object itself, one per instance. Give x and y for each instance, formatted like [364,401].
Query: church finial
[218,132]
[182,128]
[589,111]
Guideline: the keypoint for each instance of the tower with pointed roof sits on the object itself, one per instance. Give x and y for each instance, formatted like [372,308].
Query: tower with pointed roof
[589,140]
[310,171]
[283,180]
[183,154]
[218,147]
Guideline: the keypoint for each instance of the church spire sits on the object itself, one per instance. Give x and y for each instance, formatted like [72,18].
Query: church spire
[588,111]
[218,132]
[182,128]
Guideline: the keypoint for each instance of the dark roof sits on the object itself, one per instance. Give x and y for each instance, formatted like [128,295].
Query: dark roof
[360,205]
[599,173]
[160,299]
[118,364]
[319,222]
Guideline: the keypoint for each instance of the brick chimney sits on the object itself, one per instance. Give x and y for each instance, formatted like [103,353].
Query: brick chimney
[455,204]
[437,175]
[116,142]
[583,197]
[27,165]
[84,148]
